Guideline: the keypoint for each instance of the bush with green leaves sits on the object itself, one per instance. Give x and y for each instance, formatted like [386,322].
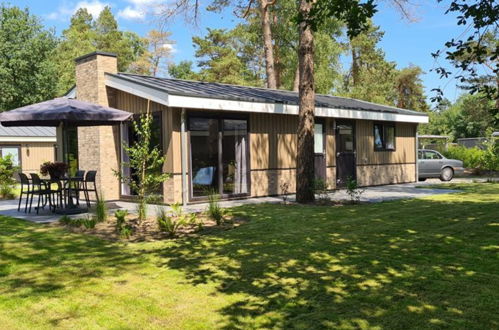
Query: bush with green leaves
[122,228]
[475,158]
[145,162]
[88,222]
[7,180]
[214,210]
[353,190]
[171,223]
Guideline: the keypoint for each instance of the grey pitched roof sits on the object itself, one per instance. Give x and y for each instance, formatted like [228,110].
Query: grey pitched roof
[27,131]
[254,94]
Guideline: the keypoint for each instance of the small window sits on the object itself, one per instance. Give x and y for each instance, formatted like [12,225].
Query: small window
[384,137]
[318,139]
[432,155]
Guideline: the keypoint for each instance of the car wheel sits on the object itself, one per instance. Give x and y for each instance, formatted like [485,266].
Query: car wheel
[446,174]
[422,179]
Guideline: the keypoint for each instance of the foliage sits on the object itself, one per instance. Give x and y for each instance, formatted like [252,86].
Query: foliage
[182,70]
[101,209]
[88,222]
[122,228]
[85,35]
[171,224]
[469,116]
[410,90]
[158,48]
[219,60]
[27,68]
[480,159]
[214,210]
[54,169]
[371,77]
[353,190]
[320,189]
[146,161]
[478,52]
[7,180]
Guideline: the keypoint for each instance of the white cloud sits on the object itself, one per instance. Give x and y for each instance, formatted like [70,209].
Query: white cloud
[139,9]
[66,10]
[132,13]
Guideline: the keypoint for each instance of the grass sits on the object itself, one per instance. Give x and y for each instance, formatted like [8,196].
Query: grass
[425,263]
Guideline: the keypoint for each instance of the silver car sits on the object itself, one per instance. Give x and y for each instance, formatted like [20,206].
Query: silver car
[431,164]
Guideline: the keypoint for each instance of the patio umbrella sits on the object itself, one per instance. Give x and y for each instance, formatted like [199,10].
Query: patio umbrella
[69,112]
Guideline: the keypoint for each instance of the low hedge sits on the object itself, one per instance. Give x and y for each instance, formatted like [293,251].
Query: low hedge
[475,158]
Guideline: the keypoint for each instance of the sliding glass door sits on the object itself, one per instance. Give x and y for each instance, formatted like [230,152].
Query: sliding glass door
[219,156]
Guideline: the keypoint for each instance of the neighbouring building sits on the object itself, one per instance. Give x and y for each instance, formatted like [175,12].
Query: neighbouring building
[235,140]
[28,146]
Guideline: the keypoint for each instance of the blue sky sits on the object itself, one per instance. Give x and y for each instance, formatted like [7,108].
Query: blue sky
[404,42]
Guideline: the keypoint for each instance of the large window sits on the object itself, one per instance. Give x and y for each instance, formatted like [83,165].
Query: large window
[384,137]
[219,156]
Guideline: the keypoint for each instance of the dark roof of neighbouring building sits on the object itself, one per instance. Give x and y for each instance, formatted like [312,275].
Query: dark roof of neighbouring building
[254,94]
[27,131]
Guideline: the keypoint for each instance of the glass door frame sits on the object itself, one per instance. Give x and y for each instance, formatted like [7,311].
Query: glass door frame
[220,118]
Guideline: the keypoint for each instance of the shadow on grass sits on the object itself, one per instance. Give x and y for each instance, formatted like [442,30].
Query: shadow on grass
[47,260]
[416,263]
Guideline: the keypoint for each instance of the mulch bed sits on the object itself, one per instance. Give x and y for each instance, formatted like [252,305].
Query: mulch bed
[148,229]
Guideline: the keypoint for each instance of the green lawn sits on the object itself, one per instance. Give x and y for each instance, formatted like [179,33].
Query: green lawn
[424,263]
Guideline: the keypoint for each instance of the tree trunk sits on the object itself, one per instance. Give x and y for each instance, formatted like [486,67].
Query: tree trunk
[267,44]
[355,67]
[305,152]
[296,81]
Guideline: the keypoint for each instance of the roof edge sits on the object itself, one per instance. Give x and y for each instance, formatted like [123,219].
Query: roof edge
[83,57]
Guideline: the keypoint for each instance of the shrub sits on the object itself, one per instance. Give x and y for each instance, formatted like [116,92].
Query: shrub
[214,210]
[65,220]
[172,223]
[284,190]
[89,222]
[101,209]
[353,190]
[54,169]
[320,189]
[480,159]
[120,216]
[7,180]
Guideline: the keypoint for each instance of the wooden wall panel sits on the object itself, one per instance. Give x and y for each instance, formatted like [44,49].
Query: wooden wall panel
[134,104]
[404,145]
[33,154]
[375,175]
[273,141]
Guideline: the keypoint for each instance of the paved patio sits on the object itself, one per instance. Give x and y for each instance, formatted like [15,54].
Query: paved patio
[371,194]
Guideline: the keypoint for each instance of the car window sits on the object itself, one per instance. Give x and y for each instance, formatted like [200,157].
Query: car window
[420,155]
[431,155]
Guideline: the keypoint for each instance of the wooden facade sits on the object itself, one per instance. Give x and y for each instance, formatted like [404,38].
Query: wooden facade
[272,150]
[33,154]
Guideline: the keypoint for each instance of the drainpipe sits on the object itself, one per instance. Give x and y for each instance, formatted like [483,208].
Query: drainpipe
[60,143]
[183,155]
[417,154]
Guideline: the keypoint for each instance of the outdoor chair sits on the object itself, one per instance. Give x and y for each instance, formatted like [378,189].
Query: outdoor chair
[87,189]
[25,189]
[77,185]
[43,191]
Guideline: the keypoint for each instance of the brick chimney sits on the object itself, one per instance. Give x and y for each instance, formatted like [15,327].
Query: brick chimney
[98,146]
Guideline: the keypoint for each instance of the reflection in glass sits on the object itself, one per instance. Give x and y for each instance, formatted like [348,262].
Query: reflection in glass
[204,155]
[234,157]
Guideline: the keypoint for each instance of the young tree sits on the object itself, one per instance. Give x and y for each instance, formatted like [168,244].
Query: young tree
[145,162]
[27,68]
